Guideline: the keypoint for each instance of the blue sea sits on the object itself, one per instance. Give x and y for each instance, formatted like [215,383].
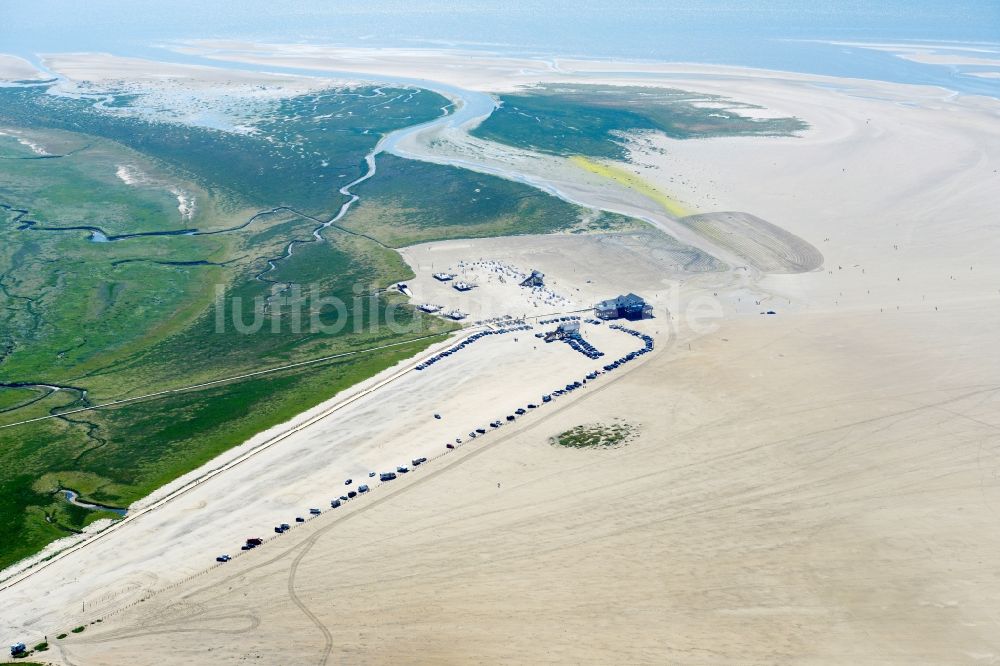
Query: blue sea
[791,35]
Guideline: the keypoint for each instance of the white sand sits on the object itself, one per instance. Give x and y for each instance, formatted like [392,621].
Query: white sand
[815,487]
[106,69]
[14,68]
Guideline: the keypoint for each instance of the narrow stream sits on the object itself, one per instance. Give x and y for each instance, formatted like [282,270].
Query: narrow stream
[73,497]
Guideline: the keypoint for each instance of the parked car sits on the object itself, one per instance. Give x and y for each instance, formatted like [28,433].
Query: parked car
[300,519]
[362,488]
[402,470]
[348,482]
[315,512]
[387,476]
[335,504]
[371,475]
[223,558]
[416,462]
[352,494]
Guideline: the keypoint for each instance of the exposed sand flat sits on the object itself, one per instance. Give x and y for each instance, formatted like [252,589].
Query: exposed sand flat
[466,69]
[767,248]
[104,69]
[897,193]
[935,54]
[475,70]
[13,68]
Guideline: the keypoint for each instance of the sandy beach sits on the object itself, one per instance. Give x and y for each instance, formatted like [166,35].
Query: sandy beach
[816,486]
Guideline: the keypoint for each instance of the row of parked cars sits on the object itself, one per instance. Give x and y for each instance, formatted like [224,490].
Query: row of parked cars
[520,411]
[647,347]
[470,340]
[631,356]
[334,504]
[557,320]
[577,342]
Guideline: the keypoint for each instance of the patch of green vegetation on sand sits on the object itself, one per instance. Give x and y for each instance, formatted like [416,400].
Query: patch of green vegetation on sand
[598,436]
[595,120]
[412,202]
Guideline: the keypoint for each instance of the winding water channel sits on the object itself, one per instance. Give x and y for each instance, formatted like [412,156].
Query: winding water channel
[73,497]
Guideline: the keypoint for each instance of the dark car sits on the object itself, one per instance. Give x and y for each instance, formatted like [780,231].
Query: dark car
[343,498]
[418,461]
[254,542]
[481,431]
[223,558]
[387,476]
[520,410]
[335,504]
[362,488]
[352,494]
[449,445]
[371,475]
[511,417]
[402,470]
[314,512]
[348,482]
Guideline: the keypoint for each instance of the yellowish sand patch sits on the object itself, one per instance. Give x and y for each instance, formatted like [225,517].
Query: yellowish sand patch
[632,181]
